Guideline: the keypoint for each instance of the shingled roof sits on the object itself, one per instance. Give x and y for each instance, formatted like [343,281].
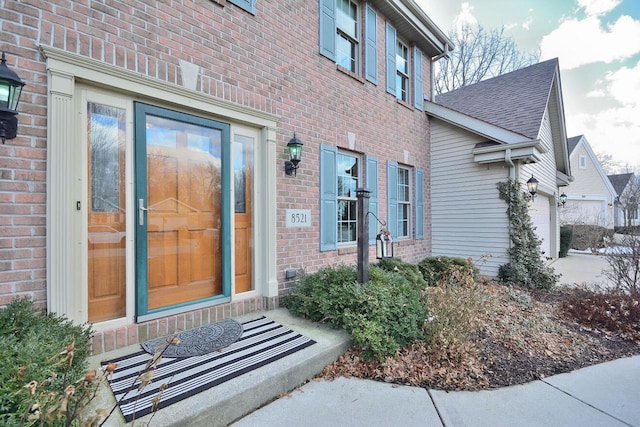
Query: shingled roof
[573,142]
[515,101]
[620,181]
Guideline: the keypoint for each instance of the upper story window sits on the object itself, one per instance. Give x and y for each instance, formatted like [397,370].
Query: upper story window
[582,162]
[347,35]
[343,35]
[402,71]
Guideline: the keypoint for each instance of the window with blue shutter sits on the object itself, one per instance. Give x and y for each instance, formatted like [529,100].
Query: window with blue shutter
[417,78]
[328,198]
[390,58]
[392,198]
[419,204]
[328,28]
[371,43]
[248,5]
[372,185]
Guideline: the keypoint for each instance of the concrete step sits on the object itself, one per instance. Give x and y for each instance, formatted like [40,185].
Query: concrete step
[231,400]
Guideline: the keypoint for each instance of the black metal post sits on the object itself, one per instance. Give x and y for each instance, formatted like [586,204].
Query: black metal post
[362,225]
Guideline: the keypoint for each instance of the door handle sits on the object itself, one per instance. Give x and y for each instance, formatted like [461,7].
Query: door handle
[141,211]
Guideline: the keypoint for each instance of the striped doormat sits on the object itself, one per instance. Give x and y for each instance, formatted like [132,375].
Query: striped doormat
[262,341]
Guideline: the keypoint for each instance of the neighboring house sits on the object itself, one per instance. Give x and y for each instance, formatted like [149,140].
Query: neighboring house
[627,202]
[146,189]
[590,196]
[508,127]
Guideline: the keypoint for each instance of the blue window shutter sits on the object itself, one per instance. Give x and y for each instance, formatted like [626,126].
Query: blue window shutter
[390,58]
[328,28]
[372,185]
[392,198]
[371,52]
[417,78]
[248,5]
[419,204]
[328,199]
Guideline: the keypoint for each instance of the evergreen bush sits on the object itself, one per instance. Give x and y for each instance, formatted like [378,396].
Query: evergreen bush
[526,266]
[449,270]
[566,237]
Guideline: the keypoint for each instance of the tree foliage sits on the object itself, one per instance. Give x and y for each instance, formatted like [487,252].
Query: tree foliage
[479,54]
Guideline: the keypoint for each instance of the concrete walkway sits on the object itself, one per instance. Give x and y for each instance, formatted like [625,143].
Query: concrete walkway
[602,395]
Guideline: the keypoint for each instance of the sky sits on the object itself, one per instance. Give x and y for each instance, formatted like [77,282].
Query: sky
[597,43]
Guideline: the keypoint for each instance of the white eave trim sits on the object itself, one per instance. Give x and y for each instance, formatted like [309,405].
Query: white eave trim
[479,127]
[530,151]
[563,180]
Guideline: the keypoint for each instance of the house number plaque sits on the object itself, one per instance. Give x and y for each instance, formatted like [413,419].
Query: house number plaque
[298,218]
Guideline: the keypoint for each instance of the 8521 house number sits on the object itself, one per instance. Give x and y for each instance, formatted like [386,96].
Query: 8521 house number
[298,218]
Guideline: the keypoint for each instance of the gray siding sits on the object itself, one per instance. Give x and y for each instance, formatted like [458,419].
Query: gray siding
[468,217]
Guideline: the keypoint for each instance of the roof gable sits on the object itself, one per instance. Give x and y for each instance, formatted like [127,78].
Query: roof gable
[574,144]
[620,181]
[515,101]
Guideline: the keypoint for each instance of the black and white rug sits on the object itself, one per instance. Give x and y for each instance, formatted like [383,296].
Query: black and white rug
[197,341]
[262,341]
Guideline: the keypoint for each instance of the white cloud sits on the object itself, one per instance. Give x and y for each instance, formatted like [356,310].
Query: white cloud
[625,85]
[596,93]
[614,130]
[526,24]
[598,7]
[465,18]
[579,42]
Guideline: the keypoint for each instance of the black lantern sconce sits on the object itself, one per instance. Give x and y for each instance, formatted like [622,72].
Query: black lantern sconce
[10,90]
[532,186]
[295,155]
[563,199]
[384,245]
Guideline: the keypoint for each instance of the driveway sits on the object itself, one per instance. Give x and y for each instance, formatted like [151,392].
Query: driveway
[579,268]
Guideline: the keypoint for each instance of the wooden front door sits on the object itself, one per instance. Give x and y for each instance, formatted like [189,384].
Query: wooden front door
[181,193]
[243,203]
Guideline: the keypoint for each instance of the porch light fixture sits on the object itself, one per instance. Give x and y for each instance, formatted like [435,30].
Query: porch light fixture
[295,154]
[532,186]
[563,199]
[10,90]
[384,245]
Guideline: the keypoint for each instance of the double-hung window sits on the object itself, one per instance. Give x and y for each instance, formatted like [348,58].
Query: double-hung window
[345,32]
[403,211]
[347,35]
[347,178]
[341,173]
[402,71]
[404,203]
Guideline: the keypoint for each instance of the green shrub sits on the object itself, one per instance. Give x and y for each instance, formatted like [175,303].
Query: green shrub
[451,270]
[566,237]
[410,271]
[41,356]
[382,315]
[526,266]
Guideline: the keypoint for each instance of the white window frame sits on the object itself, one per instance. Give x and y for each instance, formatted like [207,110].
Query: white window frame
[347,198]
[404,188]
[582,162]
[350,35]
[403,91]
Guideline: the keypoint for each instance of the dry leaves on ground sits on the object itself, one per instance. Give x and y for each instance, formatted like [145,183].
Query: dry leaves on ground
[513,336]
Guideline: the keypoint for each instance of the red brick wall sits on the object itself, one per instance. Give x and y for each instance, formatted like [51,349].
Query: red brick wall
[269,61]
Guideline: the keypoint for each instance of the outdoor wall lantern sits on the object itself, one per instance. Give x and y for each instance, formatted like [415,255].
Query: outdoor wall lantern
[532,186]
[10,90]
[295,154]
[384,245]
[563,199]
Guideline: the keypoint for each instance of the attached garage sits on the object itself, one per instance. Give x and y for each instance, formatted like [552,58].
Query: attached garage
[541,216]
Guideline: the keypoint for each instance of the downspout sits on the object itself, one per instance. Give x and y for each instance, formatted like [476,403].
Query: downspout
[434,59]
[512,175]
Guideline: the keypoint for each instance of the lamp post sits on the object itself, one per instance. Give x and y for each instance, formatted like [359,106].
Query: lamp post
[363,195]
[10,90]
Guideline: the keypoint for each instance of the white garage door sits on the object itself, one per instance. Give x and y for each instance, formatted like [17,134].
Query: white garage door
[541,217]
